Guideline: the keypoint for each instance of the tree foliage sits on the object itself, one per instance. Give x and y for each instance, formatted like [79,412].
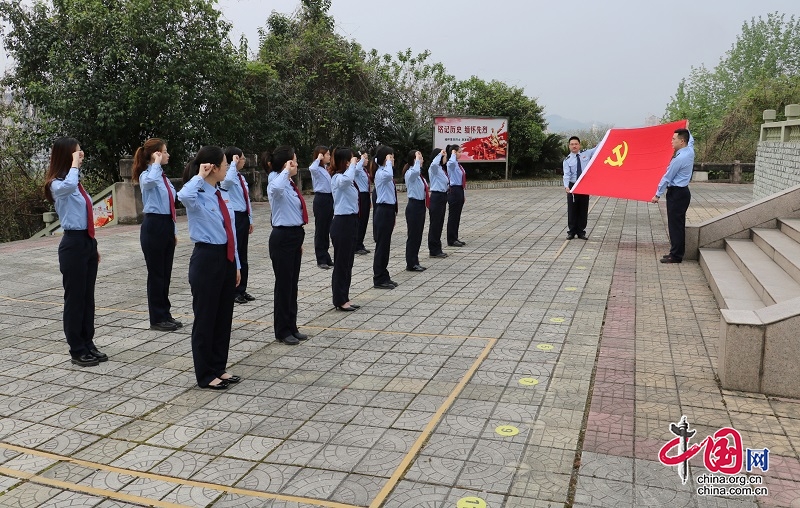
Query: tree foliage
[112,73]
[765,49]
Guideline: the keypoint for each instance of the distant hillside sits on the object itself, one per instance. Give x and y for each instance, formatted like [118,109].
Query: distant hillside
[557,123]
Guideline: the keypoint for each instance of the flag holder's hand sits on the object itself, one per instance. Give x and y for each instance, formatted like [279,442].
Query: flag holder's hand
[566,189]
[654,200]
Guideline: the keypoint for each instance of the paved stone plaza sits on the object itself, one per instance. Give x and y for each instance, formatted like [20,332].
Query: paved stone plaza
[522,371]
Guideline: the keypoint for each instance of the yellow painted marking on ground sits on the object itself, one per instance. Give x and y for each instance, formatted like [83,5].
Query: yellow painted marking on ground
[506,431]
[471,502]
[151,476]
[545,347]
[529,381]
[428,430]
[586,257]
[86,489]
[580,268]
[563,246]
[595,202]
[570,289]
[264,323]
[557,320]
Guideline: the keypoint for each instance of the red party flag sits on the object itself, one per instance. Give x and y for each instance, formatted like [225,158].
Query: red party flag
[629,163]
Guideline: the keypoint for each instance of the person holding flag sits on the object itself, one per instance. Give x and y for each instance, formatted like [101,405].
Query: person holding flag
[675,183]
[577,204]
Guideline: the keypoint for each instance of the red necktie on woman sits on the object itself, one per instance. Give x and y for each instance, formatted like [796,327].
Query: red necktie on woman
[302,201]
[226,219]
[427,192]
[89,211]
[246,194]
[171,198]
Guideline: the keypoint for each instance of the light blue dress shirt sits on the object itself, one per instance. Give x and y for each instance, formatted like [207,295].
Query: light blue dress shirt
[206,223]
[154,192]
[384,185]
[362,179]
[287,210]
[679,171]
[414,186]
[439,180]
[233,184]
[454,171]
[570,165]
[345,194]
[320,179]
[69,202]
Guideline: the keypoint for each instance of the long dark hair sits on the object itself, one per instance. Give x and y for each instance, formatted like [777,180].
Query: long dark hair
[206,155]
[449,151]
[264,161]
[60,162]
[341,159]
[142,157]
[411,159]
[321,149]
[280,156]
[434,153]
[380,154]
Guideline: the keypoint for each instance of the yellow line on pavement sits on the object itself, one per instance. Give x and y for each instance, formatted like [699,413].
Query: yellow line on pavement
[149,476]
[428,430]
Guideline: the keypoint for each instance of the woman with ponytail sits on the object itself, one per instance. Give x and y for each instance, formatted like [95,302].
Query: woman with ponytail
[159,232]
[214,265]
[384,218]
[323,205]
[418,202]
[77,253]
[455,199]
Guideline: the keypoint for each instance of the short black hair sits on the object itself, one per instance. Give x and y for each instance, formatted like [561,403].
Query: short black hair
[576,138]
[683,134]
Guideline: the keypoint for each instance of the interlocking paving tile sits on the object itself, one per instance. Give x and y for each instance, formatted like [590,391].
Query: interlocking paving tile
[415,495]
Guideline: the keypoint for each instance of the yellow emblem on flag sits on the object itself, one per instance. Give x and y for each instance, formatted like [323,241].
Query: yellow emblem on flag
[619,155]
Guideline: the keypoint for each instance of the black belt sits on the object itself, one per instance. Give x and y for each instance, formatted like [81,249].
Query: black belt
[285,227]
[438,192]
[212,246]
[76,232]
[459,186]
[159,215]
[386,204]
[415,199]
[346,215]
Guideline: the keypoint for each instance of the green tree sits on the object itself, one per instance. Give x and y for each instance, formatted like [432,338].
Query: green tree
[765,49]
[526,124]
[112,73]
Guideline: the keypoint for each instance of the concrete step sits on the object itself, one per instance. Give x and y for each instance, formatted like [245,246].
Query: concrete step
[783,249]
[730,287]
[790,227]
[769,280]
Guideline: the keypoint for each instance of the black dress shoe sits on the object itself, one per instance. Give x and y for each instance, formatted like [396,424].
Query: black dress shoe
[362,252]
[457,243]
[231,380]
[290,340]
[85,360]
[101,357]
[670,259]
[583,237]
[384,285]
[416,268]
[164,326]
[323,266]
[665,256]
[300,336]
[462,242]
[347,309]
[221,386]
[570,236]
[175,322]
[240,299]
[330,264]
[248,296]
[393,283]
[440,255]
[354,306]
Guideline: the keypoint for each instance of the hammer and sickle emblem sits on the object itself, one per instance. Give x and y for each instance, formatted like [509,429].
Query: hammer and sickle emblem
[620,157]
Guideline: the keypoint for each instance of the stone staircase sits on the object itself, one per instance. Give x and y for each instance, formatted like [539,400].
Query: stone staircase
[756,282]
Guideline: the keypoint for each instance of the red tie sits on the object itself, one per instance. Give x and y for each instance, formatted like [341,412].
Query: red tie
[246,194]
[171,198]
[226,219]
[302,201]
[89,211]
[427,192]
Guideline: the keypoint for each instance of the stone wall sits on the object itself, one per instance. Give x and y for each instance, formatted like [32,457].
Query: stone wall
[777,167]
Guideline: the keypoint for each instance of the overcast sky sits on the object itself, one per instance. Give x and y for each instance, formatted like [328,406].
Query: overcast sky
[609,61]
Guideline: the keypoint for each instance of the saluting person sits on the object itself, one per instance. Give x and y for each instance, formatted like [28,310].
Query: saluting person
[289,215]
[159,233]
[213,267]
[455,198]
[418,201]
[384,218]
[239,195]
[323,206]
[439,186]
[363,181]
[77,253]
